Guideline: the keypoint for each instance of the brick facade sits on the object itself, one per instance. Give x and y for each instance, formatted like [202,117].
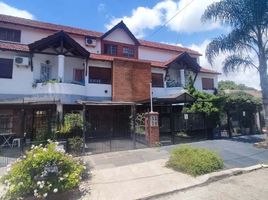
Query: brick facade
[130,80]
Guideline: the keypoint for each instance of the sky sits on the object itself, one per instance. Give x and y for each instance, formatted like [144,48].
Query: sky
[147,19]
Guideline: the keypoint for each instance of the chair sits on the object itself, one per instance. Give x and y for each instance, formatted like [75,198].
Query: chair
[16,141]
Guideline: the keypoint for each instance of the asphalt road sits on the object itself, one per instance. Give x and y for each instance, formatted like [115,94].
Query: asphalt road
[236,152]
[250,186]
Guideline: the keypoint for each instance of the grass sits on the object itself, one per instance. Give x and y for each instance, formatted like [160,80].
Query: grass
[194,161]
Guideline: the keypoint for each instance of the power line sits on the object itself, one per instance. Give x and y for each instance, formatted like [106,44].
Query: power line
[163,25]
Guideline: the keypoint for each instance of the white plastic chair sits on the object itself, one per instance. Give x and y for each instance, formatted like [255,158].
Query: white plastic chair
[16,141]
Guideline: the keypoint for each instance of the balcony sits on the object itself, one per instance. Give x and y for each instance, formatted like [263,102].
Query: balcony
[166,91]
[59,88]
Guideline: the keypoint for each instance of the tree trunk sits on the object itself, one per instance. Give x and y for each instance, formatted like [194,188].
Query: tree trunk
[264,87]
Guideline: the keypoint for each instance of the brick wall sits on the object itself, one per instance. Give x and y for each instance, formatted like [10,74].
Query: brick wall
[130,80]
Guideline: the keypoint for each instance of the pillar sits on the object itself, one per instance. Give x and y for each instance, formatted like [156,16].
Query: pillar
[182,77]
[60,112]
[152,128]
[61,68]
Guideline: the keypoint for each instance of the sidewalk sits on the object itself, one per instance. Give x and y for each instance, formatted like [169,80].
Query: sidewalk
[136,181]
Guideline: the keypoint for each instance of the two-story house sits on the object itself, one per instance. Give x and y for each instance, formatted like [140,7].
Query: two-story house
[48,68]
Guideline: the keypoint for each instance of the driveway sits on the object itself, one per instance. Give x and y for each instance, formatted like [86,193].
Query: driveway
[237,152]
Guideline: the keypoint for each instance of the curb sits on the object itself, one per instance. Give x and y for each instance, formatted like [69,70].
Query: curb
[210,178]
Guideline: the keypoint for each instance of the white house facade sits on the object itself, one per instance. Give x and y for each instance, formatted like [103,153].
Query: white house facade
[43,63]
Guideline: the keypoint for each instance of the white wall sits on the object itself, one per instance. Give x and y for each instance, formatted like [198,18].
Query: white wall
[22,78]
[70,65]
[198,81]
[119,35]
[39,59]
[147,53]
[30,35]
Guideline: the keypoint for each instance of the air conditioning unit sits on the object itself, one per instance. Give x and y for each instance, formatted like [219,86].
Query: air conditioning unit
[90,41]
[21,61]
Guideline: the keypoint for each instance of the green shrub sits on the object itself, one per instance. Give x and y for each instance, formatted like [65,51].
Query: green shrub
[41,172]
[75,145]
[73,122]
[194,161]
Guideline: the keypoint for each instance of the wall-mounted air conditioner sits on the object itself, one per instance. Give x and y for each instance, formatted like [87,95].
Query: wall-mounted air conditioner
[21,61]
[90,41]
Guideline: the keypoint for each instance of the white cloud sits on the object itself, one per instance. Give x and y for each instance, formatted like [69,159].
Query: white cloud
[101,7]
[188,20]
[249,77]
[9,10]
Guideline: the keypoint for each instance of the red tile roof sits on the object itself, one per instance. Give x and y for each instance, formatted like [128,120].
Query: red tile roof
[208,71]
[94,56]
[167,47]
[14,47]
[84,32]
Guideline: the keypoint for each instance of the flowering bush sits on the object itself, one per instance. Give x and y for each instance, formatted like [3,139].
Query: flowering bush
[42,171]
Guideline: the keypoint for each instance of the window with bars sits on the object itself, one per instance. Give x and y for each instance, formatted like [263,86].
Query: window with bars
[45,72]
[11,35]
[128,52]
[99,75]
[6,123]
[207,83]
[157,80]
[110,49]
[6,68]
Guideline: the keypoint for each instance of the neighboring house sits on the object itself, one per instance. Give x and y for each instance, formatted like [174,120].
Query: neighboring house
[47,68]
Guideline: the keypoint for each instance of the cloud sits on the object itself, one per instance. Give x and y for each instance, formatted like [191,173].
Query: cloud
[188,20]
[9,10]
[101,7]
[249,77]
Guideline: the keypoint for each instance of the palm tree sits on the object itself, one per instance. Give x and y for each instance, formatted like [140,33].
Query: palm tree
[248,20]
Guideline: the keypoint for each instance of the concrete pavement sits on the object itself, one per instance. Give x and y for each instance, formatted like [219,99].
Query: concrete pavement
[141,173]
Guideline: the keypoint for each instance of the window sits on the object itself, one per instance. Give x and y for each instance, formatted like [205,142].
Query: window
[207,83]
[99,75]
[6,68]
[157,80]
[110,49]
[79,75]
[128,52]
[10,35]
[45,72]
[6,123]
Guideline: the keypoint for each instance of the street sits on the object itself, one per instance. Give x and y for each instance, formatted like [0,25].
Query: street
[248,186]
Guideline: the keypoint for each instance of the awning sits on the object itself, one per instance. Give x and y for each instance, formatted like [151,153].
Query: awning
[29,100]
[59,40]
[186,59]
[106,103]
[182,97]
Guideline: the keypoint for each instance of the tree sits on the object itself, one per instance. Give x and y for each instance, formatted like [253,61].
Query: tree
[248,20]
[206,103]
[231,85]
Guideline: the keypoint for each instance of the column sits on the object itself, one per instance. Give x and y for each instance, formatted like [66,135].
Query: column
[182,77]
[60,112]
[61,68]
[152,128]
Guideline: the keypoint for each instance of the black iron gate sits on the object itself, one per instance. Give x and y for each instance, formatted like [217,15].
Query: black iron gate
[182,127]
